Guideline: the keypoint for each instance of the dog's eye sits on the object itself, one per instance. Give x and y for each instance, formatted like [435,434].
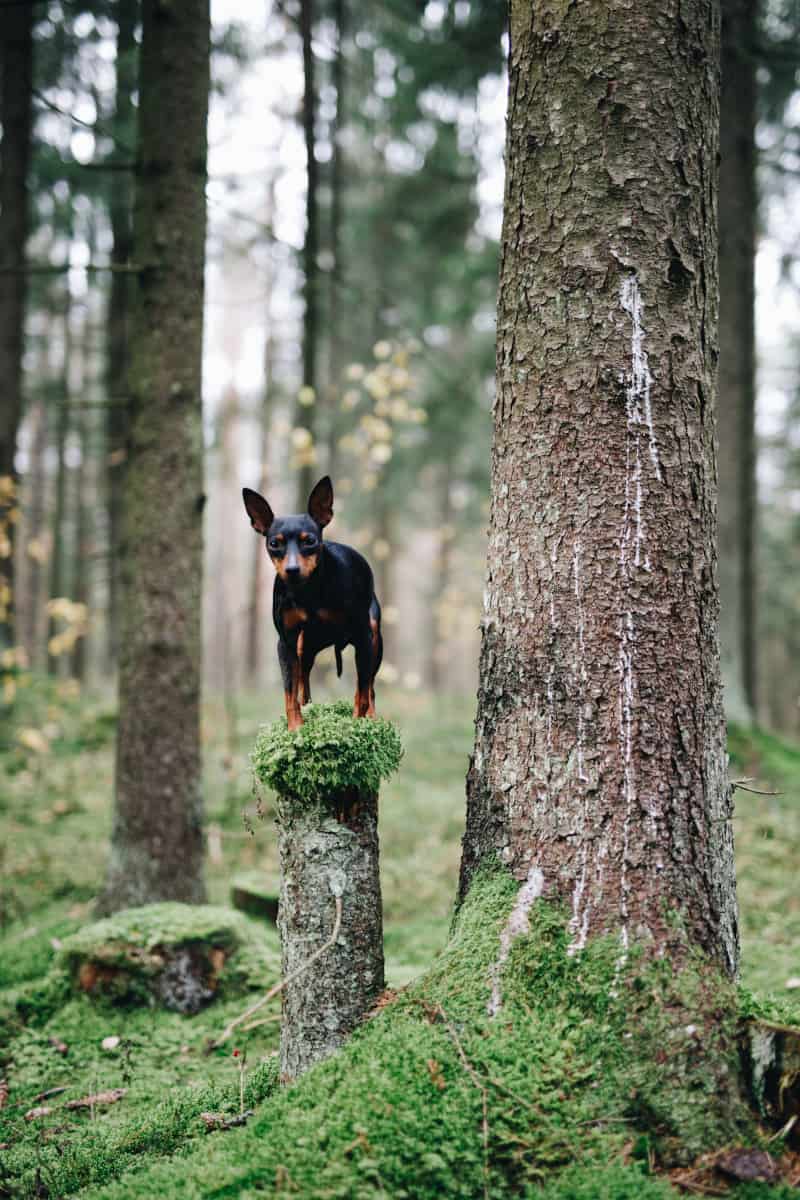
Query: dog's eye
[274,544]
[309,541]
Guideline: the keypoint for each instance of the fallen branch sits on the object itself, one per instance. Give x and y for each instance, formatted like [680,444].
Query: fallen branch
[274,991]
[109,1097]
[741,784]
[213,1120]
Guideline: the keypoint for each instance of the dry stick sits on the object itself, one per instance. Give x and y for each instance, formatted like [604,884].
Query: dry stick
[473,1074]
[742,785]
[281,984]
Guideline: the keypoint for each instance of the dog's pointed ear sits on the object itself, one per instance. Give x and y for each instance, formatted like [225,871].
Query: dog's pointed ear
[258,511]
[320,502]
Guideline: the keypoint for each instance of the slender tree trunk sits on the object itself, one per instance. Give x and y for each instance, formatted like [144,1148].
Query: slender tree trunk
[738,215]
[16,73]
[336,297]
[59,521]
[35,530]
[119,303]
[599,772]
[305,418]
[157,842]
[256,618]
[82,566]
[436,661]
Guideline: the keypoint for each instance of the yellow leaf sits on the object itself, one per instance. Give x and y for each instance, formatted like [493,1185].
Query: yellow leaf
[32,739]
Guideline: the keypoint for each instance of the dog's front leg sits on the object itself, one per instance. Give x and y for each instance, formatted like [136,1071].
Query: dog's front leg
[289,660]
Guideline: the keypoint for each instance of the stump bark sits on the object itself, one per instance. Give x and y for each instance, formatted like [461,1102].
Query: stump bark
[328,850]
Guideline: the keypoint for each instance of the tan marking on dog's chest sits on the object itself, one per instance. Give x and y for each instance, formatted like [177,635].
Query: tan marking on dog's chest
[293,617]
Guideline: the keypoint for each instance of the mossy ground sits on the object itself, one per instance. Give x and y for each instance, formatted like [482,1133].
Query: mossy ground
[571,1112]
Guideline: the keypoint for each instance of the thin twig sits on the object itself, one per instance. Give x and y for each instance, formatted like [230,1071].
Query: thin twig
[282,983]
[742,785]
[786,1129]
[473,1074]
[261,1021]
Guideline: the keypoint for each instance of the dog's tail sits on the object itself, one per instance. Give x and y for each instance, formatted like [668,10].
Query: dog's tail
[338,662]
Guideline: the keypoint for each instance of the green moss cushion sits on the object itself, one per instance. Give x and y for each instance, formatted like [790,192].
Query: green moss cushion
[178,955]
[332,752]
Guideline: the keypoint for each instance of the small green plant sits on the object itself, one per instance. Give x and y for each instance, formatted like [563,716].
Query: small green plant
[331,753]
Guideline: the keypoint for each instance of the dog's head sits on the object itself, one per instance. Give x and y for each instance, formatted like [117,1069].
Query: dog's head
[293,543]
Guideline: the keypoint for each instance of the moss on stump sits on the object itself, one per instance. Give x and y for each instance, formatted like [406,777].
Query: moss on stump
[176,955]
[327,775]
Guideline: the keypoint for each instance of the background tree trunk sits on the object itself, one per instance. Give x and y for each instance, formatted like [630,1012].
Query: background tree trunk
[305,417]
[58,556]
[738,216]
[157,840]
[599,772]
[16,72]
[119,303]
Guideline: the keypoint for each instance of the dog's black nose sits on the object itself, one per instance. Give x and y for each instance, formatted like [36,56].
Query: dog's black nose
[292,572]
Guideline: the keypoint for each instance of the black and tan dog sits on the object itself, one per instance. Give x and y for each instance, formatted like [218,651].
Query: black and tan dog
[324,596]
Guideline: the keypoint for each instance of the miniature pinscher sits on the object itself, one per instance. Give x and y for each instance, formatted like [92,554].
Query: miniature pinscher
[323,596]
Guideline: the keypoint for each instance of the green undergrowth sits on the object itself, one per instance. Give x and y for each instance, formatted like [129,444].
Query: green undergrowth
[53,1038]
[591,1070]
[332,752]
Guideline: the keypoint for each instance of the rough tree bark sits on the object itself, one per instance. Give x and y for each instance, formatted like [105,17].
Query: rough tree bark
[119,305]
[16,74]
[324,856]
[157,844]
[738,215]
[599,770]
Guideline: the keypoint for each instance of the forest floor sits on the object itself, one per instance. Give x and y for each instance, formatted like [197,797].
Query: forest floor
[55,808]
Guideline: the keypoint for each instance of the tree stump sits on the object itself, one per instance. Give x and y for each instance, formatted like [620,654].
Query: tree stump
[330,918]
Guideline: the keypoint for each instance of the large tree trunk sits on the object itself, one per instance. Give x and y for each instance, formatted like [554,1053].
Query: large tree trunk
[599,773]
[738,207]
[16,69]
[119,303]
[157,840]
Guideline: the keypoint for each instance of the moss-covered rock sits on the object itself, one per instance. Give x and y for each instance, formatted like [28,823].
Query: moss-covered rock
[178,955]
[332,753]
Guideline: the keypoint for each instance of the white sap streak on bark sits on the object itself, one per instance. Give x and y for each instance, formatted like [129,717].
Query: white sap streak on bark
[639,416]
[579,922]
[518,923]
[576,574]
[638,394]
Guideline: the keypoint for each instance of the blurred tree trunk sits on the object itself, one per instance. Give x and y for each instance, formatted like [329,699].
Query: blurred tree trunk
[442,561]
[157,841]
[305,415]
[36,484]
[336,298]
[256,609]
[82,563]
[599,773]
[16,74]
[738,216]
[119,303]
[58,522]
